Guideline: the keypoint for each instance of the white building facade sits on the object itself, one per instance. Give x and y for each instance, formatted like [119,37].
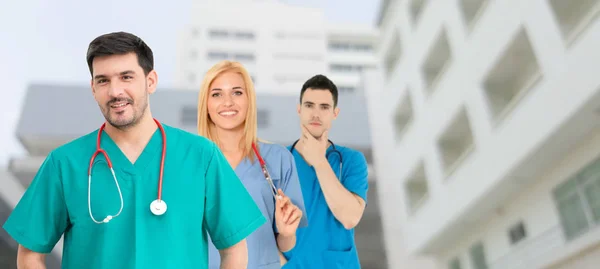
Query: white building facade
[486,138]
[281,45]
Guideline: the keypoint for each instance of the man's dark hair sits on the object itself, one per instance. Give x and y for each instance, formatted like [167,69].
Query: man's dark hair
[320,82]
[119,43]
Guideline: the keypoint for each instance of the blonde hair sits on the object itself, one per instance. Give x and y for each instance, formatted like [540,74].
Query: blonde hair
[206,127]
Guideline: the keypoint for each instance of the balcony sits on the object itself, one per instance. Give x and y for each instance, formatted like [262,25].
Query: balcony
[512,76]
[437,61]
[394,53]
[416,9]
[456,142]
[532,252]
[403,115]
[549,249]
[472,10]
[416,189]
[573,17]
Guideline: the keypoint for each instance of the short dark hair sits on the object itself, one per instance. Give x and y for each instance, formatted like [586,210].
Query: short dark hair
[320,82]
[119,43]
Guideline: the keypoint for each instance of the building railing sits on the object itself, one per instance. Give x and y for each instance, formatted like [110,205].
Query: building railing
[533,251]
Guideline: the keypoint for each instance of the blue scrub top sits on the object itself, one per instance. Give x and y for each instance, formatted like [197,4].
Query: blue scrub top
[325,243]
[263,252]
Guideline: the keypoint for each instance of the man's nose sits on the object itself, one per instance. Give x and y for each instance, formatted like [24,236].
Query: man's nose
[116,89]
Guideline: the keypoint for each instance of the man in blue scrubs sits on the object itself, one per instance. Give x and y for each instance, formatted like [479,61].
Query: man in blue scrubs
[110,220]
[334,196]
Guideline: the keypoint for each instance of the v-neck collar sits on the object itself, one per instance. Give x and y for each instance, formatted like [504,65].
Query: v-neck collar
[243,167]
[120,161]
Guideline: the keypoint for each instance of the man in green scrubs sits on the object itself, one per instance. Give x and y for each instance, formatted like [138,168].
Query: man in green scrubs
[108,222]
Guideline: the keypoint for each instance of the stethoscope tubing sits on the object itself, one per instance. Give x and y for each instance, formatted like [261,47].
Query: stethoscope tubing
[157,207]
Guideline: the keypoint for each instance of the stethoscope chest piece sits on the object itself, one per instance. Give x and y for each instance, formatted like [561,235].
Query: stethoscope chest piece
[158,207]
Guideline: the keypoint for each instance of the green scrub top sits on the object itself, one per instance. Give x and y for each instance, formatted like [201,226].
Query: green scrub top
[201,190]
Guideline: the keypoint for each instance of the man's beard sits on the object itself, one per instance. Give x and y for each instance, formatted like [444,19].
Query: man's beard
[138,112]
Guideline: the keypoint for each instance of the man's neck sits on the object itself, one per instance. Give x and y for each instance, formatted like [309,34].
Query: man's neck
[135,136]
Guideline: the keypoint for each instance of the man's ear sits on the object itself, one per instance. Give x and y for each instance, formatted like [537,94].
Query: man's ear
[152,81]
[92,86]
[298,108]
[336,111]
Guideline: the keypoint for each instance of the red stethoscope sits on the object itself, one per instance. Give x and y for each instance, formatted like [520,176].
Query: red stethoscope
[265,171]
[157,207]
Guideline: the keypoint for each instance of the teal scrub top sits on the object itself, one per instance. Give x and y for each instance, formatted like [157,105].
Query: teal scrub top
[263,252]
[203,194]
[325,243]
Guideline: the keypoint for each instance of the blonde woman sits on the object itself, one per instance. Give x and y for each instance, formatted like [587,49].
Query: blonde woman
[227,116]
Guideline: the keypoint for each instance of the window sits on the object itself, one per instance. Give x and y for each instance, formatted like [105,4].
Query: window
[454,264]
[339,46]
[262,118]
[218,34]
[189,115]
[345,68]
[363,47]
[517,233]
[578,201]
[244,57]
[341,67]
[477,253]
[244,35]
[217,55]
[346,89]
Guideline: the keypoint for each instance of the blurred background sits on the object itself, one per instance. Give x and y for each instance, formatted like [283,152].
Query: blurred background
[479,118]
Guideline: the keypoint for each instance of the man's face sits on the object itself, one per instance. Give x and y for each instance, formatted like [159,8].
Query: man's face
[316,111]
[121,89]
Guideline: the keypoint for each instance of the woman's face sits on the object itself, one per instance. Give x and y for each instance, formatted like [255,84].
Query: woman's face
[228,101]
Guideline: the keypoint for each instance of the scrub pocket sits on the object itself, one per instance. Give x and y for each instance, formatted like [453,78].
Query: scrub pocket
[333,259]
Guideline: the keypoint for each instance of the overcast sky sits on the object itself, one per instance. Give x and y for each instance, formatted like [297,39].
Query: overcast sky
[45,40]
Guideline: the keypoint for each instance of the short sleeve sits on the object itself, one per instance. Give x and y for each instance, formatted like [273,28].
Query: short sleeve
[230,212]
[292,188]
[355,175]
[40,218]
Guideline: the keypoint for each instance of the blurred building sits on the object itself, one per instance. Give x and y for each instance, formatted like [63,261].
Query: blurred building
[44,126]
[280,44]
[486,139]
